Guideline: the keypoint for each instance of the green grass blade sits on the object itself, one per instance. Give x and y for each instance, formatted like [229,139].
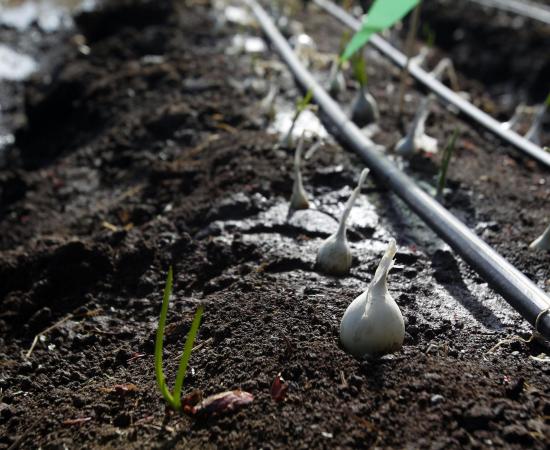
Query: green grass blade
[182,369]
[159,340]
[447,153]
[301,104]
[429,35]
[304,101]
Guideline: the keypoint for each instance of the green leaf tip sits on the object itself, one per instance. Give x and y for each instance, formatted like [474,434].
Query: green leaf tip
[382,14]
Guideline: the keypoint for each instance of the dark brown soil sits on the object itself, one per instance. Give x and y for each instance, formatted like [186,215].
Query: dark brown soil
[129,163]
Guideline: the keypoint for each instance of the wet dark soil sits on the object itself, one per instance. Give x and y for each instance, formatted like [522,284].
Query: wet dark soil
[151,151]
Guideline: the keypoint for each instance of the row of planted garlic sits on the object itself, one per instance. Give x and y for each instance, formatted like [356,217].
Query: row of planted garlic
[372,324]
[364,111]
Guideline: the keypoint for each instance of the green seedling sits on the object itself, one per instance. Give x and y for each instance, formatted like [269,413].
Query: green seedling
[174,398]
[359,69]
[447,154]
[301,106]
[428,34]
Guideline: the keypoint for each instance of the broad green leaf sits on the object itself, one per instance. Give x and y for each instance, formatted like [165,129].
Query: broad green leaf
[382,14]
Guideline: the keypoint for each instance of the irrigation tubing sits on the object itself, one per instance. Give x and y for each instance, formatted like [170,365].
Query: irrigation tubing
[511,137]
[516,288]
[523,8]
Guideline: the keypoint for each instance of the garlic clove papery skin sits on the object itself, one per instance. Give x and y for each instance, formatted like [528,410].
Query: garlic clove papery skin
[365,109]
[542,242]
[334,254]
[298,200]
[426,143]
[373,324]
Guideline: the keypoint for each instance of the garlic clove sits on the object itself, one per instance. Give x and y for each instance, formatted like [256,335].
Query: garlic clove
[298,200]
[267,104]
[405,146]
[373,324]
[365,109]
[534,132]
[542,242]
[336,80]
[416,139]
[334,255]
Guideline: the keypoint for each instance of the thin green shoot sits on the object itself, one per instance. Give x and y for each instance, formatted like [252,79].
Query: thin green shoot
[428,33]
[359,68]
[303,103]
[301,106]
[447,154]
[547,101]
[344,40]
[173,399]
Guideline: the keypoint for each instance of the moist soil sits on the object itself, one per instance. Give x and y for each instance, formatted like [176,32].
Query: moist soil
[151,150]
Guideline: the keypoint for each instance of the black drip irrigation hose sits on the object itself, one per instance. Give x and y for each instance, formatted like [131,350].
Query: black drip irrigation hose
[443,92]
[530,301]
[523,8]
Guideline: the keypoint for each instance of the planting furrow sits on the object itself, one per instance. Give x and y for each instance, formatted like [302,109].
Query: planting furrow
[446,95]
[530,301]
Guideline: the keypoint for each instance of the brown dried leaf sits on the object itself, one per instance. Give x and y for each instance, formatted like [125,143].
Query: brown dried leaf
[120,389]
[278,388]
[77,421]
[222,403]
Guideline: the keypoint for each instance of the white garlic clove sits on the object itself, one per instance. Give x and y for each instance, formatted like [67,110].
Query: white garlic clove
[365,109]
[534,132]
[542,242]
[298,200]
[405,146]
[416,138]
[334,255]
[373,324]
